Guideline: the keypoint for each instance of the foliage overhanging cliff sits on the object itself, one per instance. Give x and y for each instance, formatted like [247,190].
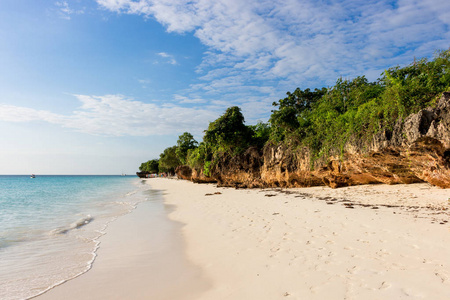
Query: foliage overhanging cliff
[394,130]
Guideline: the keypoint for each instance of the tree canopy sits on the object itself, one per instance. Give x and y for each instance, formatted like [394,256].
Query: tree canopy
[229,132]
[185,143]
[321,120]
[151,166]
[168,160]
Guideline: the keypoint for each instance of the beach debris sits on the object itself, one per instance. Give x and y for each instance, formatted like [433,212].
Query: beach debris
[270,195]
[212,194]
[384,285]
[348,205]
[275,213]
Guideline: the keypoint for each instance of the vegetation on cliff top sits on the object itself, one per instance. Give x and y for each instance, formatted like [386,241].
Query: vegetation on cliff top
[322,120]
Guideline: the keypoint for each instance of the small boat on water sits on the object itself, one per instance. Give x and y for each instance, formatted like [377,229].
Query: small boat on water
[33,176]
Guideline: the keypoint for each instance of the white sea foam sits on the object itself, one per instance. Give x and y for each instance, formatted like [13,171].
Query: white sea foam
[78,224]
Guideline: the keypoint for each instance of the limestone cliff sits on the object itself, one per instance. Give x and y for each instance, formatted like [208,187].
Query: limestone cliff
[417,149]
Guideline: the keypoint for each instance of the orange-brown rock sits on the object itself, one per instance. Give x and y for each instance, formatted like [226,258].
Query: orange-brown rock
[184,172]
[199,177]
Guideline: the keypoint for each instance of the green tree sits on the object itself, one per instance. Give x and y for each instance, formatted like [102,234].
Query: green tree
[229,133]
[151,166]
[261,133]
[185,143]
[168,160]
[415,86]
[293,113]
[197,157]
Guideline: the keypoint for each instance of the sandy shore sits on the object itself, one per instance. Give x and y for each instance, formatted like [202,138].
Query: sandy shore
[365,242]
[141,256]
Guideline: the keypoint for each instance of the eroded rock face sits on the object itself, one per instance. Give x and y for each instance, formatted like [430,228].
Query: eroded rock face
[199,177]
[417,150]
[184,172]
[242,171]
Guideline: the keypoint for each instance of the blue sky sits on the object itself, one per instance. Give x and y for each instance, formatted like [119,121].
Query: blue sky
[99,86]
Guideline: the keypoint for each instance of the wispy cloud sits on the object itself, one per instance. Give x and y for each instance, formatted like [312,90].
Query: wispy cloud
[65,11]
[168,58]
[144,82]
[115,115]
[186,100]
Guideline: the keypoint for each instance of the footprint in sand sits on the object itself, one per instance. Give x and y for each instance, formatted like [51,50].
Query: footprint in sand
[384,285]
[443,276]
[410,293]
[383,252]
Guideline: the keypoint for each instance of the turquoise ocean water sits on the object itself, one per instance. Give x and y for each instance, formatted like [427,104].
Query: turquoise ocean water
[50,226]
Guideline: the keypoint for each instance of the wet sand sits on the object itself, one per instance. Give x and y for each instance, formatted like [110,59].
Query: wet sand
[141,256]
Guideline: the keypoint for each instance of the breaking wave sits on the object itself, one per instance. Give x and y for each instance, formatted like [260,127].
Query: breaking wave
[78,224]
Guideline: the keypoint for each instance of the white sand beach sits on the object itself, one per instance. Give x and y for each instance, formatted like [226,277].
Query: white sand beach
[310,244]
[364,242]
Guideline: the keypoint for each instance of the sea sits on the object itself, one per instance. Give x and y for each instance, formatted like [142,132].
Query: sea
[50,226]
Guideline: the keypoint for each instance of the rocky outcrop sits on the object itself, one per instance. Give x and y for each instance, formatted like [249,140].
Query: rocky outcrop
[184,172]
[417,149]
[240,171]
[200,177]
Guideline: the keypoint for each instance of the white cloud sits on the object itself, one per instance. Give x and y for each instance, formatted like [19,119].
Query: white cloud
[163,54]
[65,11]
[114,115]
[300,40]
[169,58]
[114,5]
[11,113]
[144,82]
[186,100]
